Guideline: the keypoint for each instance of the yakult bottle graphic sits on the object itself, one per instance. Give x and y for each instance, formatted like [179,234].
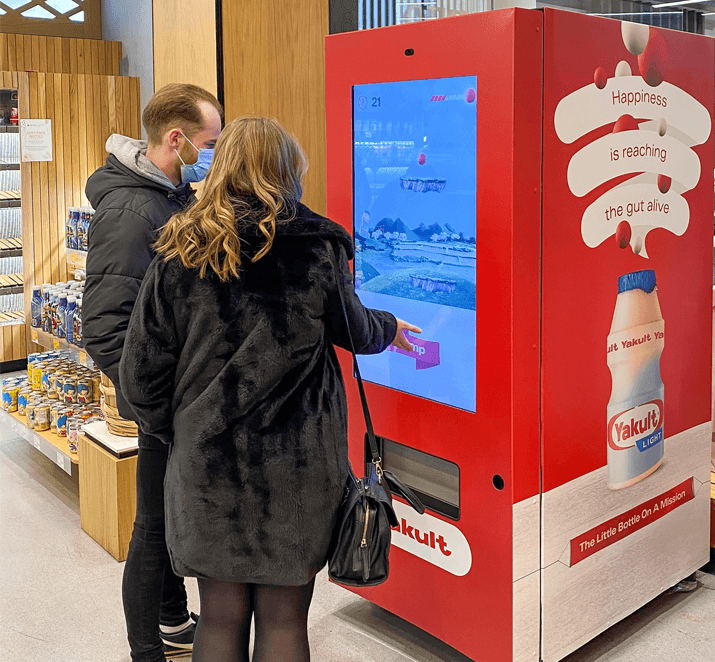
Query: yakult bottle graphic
[635,410]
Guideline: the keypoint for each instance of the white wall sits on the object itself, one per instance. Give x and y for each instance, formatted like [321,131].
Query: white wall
[130,21]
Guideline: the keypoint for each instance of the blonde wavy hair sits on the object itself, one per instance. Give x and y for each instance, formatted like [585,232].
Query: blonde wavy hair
[254,156]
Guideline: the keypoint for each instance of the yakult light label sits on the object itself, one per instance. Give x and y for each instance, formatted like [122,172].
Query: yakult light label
[641,426]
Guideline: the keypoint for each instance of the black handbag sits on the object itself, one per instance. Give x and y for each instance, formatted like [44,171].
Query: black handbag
[363,531]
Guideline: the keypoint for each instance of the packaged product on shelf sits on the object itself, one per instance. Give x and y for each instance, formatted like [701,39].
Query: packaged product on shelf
[77,324]
[69,318]
[84,389]
[22,399]
[46,321]
[70,390]
[61,316]
[10,391]
[73,427]
[38,368]
[51,391]
[71,229]
[76,226]
[31,358]
[46,377]
[62,423]
[60,377]
[85,218]
[54,306]
[36,307]
[42,418]
[54,414]
[30,413]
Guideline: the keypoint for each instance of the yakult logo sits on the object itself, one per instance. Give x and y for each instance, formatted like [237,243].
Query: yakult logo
[429,539]
[640,426]
[433,540]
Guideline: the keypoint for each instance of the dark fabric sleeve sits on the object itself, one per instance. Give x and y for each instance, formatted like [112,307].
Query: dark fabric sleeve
[120,252]
[372,330]
[151,354]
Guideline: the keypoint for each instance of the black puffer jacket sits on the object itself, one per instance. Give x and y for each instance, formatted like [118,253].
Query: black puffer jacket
[131,204]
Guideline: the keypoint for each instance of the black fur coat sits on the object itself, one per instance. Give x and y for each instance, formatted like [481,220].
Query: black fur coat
[241,378]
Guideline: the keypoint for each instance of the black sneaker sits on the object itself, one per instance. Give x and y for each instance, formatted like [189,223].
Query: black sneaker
[183,640]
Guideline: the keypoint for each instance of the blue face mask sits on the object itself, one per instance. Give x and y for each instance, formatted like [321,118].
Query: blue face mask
[196,172]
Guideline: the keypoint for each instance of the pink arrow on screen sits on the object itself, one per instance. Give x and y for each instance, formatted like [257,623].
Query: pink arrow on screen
[425,352]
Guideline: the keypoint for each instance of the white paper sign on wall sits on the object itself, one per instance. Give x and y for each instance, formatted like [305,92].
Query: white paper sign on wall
[36,140]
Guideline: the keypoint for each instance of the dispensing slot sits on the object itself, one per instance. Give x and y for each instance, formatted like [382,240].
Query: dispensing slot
[433,479]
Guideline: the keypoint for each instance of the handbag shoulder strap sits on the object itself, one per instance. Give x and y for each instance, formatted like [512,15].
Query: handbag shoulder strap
[376,459]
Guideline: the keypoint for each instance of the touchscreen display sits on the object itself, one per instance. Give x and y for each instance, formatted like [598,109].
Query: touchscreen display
[415,227]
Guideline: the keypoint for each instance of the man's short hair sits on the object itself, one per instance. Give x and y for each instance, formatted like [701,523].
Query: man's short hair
[176,105]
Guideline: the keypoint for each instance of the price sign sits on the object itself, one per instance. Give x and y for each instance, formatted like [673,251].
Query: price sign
[34,335]
[36,443]
[61,461]
[56,343]
[83,358]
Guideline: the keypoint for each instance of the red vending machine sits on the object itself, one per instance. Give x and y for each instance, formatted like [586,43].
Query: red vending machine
[534,190]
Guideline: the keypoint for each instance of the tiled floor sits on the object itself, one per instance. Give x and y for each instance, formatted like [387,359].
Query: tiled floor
[60,594]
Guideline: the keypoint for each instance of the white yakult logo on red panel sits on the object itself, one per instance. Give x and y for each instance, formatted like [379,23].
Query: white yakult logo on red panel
[432,539]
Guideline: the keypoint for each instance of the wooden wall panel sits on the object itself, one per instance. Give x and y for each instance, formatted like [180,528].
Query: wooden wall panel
[185,42]
[274,64]
[59,55]
[12,343]
[85,110]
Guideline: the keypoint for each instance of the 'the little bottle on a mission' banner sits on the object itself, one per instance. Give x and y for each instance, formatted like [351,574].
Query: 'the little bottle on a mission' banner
[656,126]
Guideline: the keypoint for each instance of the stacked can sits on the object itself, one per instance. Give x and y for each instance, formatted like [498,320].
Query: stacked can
[57,390]
[10,392]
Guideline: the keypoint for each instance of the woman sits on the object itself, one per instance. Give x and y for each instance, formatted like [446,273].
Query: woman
[229,358]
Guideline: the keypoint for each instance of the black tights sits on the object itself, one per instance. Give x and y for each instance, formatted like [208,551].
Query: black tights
[281,622]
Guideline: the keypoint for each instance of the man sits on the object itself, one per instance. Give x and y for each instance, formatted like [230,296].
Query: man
[138,189]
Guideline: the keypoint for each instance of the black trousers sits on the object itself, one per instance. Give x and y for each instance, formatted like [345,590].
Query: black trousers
[151,592]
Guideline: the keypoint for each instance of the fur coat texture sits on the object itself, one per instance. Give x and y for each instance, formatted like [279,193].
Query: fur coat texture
[242,380]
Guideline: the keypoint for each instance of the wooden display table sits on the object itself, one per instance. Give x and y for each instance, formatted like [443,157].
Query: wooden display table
[107,496]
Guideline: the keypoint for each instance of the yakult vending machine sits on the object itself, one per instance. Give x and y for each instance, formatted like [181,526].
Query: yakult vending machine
[534,190]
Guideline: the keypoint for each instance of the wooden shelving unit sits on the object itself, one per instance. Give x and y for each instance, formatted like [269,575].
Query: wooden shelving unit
[51,445]
[48,341]
[12,313]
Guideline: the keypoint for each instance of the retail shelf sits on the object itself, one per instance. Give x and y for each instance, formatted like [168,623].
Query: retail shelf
[49,341]
[76,258]
[11,284]
[54,447]
[11,247]
[10,129]
[16,202]
[11,318]
[119,447]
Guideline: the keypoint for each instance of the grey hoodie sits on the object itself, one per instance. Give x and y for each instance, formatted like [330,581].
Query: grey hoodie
[132,154]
